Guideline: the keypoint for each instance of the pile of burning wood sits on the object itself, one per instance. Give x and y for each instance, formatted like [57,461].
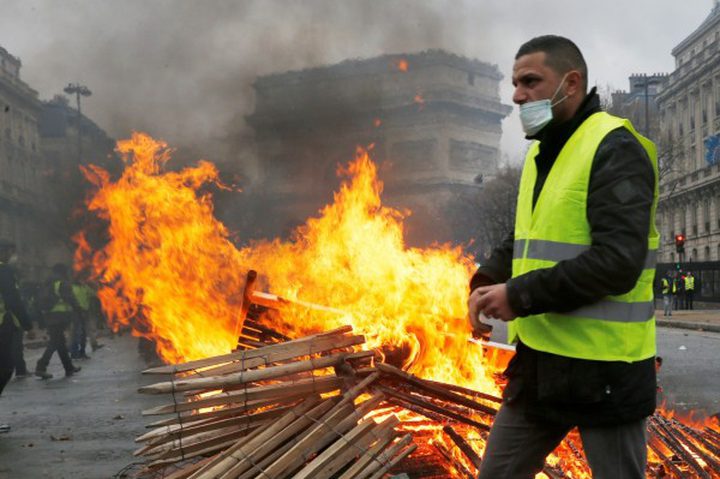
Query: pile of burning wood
[312,407]
[322,407]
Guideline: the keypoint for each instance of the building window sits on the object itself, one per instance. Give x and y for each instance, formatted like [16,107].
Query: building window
[707,253]
[706,215]
[694,255]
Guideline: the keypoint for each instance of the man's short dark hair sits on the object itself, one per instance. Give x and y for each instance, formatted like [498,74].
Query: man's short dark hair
[561,54]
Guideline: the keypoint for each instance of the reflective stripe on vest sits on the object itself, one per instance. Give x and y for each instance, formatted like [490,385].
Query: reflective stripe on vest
[616,328]
[61,306]
[556,251]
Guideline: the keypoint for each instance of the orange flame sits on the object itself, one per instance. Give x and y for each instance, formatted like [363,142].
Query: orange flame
[402,65]
[171,272]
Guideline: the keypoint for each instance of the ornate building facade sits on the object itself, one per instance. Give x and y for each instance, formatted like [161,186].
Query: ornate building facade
[23,202]
[40,183]
[433,119]
[689,109]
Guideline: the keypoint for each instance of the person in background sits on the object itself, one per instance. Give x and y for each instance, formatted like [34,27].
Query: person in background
[85,324]
[680,294]
[59,308]
[13,316]
[689,290]
[668,286]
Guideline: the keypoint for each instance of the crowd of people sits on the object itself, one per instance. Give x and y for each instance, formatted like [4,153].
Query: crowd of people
[678,291]
[65,305]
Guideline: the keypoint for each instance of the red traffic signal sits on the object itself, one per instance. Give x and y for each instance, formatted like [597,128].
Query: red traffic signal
[680,243]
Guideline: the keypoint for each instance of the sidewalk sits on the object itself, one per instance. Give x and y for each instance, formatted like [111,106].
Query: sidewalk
[697,319]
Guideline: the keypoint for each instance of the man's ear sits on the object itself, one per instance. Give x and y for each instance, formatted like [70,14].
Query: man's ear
[574,82]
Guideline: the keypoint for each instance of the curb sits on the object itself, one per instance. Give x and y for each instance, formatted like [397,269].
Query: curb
[670,323]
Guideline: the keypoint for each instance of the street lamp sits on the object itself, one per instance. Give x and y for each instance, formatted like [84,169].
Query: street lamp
[78,90]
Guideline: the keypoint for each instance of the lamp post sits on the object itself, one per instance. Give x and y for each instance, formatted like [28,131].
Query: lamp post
[78,90]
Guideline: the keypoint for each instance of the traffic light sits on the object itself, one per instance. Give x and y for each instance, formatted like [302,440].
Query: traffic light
[680,243]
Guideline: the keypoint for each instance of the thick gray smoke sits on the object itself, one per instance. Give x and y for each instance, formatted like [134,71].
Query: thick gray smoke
[182,69]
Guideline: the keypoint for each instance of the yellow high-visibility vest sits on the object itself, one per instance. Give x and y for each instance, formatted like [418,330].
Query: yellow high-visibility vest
[616,328]
[689,283]
[61,306]
[665,286]
[83,294]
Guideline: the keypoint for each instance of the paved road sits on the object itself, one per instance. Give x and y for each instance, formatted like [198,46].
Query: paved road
[93,417]
[690,375]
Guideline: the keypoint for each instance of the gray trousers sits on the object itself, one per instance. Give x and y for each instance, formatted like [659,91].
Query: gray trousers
[517,448]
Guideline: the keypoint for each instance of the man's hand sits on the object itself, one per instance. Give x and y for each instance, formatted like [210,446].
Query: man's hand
[492,301]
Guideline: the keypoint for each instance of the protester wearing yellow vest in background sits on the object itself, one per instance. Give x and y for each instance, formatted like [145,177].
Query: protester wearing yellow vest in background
[59,314]
[84,328]
[689,290]
[574,278]
[668,286]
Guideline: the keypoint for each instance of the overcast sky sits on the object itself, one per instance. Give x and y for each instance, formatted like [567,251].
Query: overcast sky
[182,69]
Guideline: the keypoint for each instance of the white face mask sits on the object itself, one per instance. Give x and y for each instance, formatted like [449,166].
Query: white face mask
[535,115]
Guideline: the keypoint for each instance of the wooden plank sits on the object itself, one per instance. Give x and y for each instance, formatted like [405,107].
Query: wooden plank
[432,407]
[345,449]
[403,454]
[250,279]
[337,447]
[303,387]
[247,354]
[324,433]
[464,446]
[225,460]
[369,455]
[240,459]
[435,391]
[244,377]
[242,409]
[188,430]
[384,458]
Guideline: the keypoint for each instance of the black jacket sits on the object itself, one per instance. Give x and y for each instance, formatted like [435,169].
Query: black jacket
[11,297]
[620,195]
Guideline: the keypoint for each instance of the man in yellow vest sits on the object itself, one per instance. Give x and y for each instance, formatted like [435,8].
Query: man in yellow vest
[668,288]
[574,278]
[689,290]
[59,313]
[84,327]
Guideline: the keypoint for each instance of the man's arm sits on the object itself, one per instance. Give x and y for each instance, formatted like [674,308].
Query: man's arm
[498,268]
[619,201]
[11,297]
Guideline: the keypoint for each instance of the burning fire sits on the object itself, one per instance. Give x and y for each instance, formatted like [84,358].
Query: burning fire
[402,65]
[171,272]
